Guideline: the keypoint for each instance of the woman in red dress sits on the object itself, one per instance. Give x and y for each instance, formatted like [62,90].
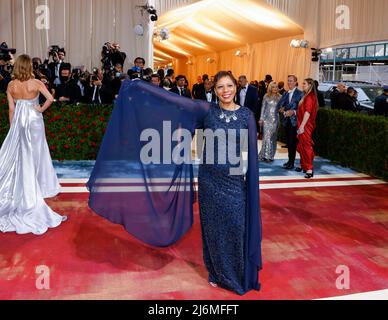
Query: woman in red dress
[307,113]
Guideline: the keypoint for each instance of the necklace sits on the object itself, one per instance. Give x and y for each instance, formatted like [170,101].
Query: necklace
[227,118]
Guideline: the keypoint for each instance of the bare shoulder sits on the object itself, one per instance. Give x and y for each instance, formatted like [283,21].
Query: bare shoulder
[11,86]
[37,83]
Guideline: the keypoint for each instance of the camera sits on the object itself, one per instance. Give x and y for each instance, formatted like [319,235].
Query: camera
[54,50]
[107,51]
[5,52]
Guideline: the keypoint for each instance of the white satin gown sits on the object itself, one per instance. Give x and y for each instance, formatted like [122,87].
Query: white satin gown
[27,175]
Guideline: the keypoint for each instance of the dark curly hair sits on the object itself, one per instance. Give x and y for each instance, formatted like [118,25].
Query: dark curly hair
[223,74]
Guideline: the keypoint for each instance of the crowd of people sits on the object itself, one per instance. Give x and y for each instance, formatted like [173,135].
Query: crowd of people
[271,103]
[71,85]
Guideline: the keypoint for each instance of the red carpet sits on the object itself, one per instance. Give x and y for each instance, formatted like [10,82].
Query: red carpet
[307,234]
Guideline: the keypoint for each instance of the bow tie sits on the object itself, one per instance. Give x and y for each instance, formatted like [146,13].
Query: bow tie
[208,92]
[244,88]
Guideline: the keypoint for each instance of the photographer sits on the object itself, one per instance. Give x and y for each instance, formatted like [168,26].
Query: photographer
[99,90]
[58,56]
[111,55]
[40,70]
[68,91]
[6,66]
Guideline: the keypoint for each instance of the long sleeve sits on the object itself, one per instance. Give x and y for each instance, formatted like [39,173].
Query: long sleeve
[140,178]
[263,109]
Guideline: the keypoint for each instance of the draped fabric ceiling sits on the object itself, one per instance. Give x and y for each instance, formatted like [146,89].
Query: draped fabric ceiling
[210,29]
[206,35]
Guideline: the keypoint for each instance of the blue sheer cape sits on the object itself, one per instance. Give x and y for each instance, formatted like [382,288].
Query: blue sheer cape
[154,202]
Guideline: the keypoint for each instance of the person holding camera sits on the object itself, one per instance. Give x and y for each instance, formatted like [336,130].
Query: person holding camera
[6,66]
[99,91]
[68,92]
[111,56]
[58,56]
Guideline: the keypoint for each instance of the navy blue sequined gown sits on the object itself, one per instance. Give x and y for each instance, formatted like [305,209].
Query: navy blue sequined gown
[223,208]
[154,201]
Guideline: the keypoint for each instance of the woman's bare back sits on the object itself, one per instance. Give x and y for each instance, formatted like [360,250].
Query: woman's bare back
[26,90]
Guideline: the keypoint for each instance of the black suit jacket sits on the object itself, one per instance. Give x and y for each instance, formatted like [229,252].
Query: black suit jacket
[197,88]
[202,96]
[186,92]
[251,99]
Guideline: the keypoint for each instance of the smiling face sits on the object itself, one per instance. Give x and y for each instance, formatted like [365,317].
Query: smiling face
[226,90]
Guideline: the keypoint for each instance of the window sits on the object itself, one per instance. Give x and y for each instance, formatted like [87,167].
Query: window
[353,53]
[380,50]
[361,52]
[370,51]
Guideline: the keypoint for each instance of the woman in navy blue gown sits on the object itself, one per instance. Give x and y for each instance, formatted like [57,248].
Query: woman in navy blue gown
[153,200]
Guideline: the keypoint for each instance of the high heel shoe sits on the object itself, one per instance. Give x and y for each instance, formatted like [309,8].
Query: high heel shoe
[309,175]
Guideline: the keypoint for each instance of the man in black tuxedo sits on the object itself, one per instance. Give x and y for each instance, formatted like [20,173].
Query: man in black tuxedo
[248,96]
[207,94]
[180,87]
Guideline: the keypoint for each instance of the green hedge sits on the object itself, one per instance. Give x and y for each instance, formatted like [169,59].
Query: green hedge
[73,132]
[351,139]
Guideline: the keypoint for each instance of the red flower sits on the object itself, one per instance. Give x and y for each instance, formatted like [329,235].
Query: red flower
[66,146]
[75,120]
[79,113]
[69,126]
[82,141]
[102,119]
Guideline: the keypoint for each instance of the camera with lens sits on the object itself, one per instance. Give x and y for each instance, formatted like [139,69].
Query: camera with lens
[106,53]
[5,52]
[54,50]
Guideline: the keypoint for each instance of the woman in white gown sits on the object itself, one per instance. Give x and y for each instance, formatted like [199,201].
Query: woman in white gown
[27,174]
